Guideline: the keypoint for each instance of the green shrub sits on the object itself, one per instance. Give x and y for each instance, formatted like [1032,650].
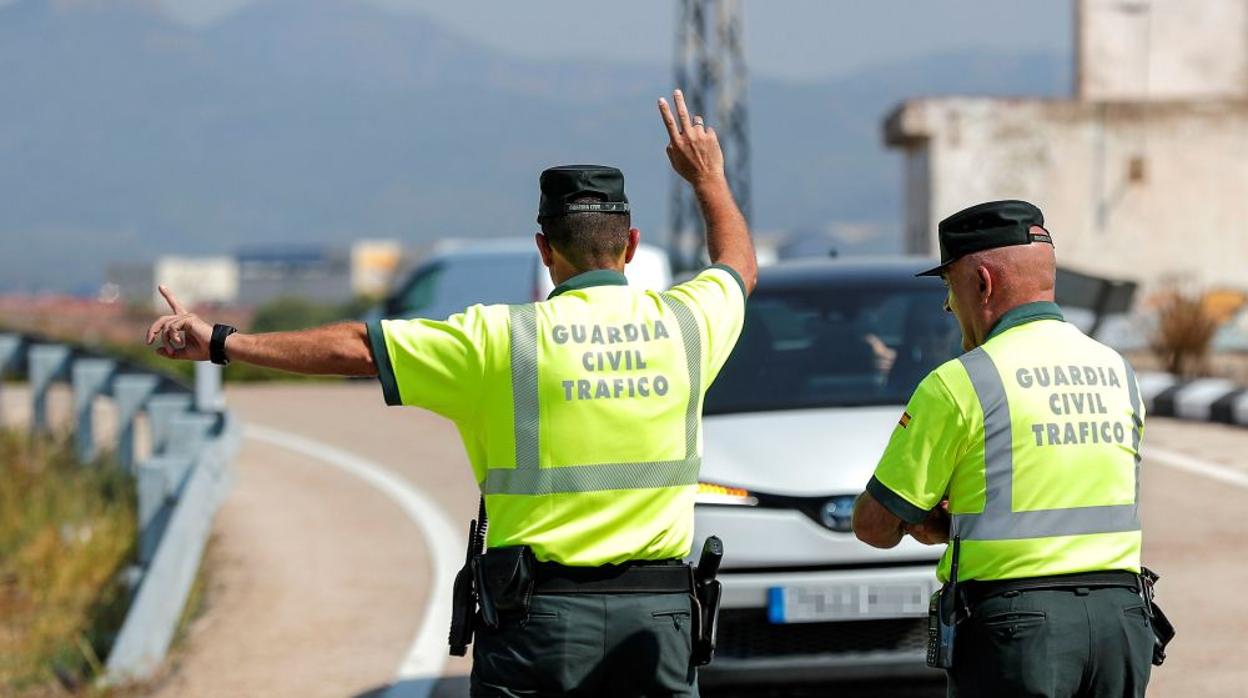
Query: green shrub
[67,531]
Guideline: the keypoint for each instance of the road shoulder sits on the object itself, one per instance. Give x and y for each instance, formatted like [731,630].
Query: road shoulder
[315,585]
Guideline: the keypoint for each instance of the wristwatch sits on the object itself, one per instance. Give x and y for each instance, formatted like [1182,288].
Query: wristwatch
[216,347]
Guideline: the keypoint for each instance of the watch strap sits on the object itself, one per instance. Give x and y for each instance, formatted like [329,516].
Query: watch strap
[216,347]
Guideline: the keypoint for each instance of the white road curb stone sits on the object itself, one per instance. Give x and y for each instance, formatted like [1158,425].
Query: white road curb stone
[1240,409]
[1196,398]
[1151,384]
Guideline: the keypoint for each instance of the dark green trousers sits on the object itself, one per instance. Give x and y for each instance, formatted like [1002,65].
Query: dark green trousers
[1055,644]
[590,645]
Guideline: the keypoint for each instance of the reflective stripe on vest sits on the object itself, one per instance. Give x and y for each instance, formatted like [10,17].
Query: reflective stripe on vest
[999,521]
[529,478]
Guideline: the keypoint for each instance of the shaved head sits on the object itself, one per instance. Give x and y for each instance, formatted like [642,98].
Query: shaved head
[984,285]
[1024,273]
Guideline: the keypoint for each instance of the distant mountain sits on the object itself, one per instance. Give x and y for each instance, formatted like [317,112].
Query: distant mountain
[124,135]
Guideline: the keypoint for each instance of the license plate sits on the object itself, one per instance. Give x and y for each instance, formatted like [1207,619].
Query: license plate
[849,601]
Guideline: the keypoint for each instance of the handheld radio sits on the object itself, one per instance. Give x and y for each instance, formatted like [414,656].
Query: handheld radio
[942,617]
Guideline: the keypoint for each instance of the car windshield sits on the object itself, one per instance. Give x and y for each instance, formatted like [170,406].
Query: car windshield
[834,346]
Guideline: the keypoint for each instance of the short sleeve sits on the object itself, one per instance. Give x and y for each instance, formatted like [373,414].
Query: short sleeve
[914,472]
[435,364]
[716,297]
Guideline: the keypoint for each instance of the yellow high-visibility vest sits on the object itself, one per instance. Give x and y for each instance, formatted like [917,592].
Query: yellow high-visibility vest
[581,414]
[1034,438]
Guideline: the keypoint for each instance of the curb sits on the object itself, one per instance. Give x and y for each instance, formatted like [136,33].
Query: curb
[1201,399]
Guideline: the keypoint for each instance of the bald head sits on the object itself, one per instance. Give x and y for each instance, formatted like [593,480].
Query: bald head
[1020,273]
[985,285]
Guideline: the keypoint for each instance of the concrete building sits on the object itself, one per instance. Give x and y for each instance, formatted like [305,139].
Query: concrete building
[1143,174]
[257,275]
[196,280]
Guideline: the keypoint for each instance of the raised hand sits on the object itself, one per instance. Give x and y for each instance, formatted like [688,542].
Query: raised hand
[693,148]
[182,335]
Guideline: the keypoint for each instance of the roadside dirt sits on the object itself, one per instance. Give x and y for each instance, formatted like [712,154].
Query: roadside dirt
[314,587]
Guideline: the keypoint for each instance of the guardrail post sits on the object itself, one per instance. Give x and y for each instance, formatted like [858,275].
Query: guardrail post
[155,489]
[90,378]
[161,409]
[225,447]
[46,363]
[130,392]
[208,395]
[10,349]
[188,440]
[188,431]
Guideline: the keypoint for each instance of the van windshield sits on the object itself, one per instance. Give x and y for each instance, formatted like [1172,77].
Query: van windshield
[834,346]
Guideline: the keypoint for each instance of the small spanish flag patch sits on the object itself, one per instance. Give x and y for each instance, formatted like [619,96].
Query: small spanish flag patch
[905,420]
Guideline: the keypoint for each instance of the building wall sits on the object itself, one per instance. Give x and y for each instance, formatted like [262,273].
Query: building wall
[1161,49]
[916,232]
[196,280]
[1143,191]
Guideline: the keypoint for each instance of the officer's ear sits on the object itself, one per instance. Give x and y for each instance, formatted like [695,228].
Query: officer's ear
[634,239]
[544,249]
[985,283]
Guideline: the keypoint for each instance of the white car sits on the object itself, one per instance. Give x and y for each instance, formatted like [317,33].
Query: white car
[794,426]
[461,273]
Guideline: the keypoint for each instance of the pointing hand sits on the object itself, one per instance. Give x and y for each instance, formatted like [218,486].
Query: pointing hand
[181,335]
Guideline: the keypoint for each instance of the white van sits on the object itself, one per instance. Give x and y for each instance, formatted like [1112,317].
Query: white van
[464,273]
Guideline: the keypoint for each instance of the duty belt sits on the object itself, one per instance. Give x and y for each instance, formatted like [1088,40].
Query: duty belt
[643,577]
[976,591]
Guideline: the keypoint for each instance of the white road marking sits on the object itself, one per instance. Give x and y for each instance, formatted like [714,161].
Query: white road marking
[1191,464]
[426,657]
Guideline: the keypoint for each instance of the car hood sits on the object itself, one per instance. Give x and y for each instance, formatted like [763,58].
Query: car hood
[797,452]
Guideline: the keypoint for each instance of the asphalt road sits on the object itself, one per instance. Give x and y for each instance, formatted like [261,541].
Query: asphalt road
[322,581]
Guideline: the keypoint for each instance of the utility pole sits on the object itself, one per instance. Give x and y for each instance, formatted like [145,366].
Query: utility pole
[710,68]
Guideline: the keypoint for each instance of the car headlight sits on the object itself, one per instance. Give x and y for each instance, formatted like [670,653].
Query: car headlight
[711,493]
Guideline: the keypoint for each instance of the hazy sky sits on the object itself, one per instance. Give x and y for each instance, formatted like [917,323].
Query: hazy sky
[793,39]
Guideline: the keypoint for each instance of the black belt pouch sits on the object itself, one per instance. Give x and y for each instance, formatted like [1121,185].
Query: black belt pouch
[505,581]
[1163,629]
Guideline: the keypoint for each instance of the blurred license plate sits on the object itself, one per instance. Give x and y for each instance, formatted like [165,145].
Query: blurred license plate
[850,601]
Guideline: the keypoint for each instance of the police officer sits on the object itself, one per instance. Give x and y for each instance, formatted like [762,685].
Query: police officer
[581,416]
[1026,449]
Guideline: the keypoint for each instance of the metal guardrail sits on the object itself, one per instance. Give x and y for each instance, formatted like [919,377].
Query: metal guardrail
[180,486]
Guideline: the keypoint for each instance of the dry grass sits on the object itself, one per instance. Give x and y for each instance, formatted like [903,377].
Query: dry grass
[1185,328]
[66,532]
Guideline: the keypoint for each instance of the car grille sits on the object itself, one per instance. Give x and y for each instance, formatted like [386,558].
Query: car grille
[747,634]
